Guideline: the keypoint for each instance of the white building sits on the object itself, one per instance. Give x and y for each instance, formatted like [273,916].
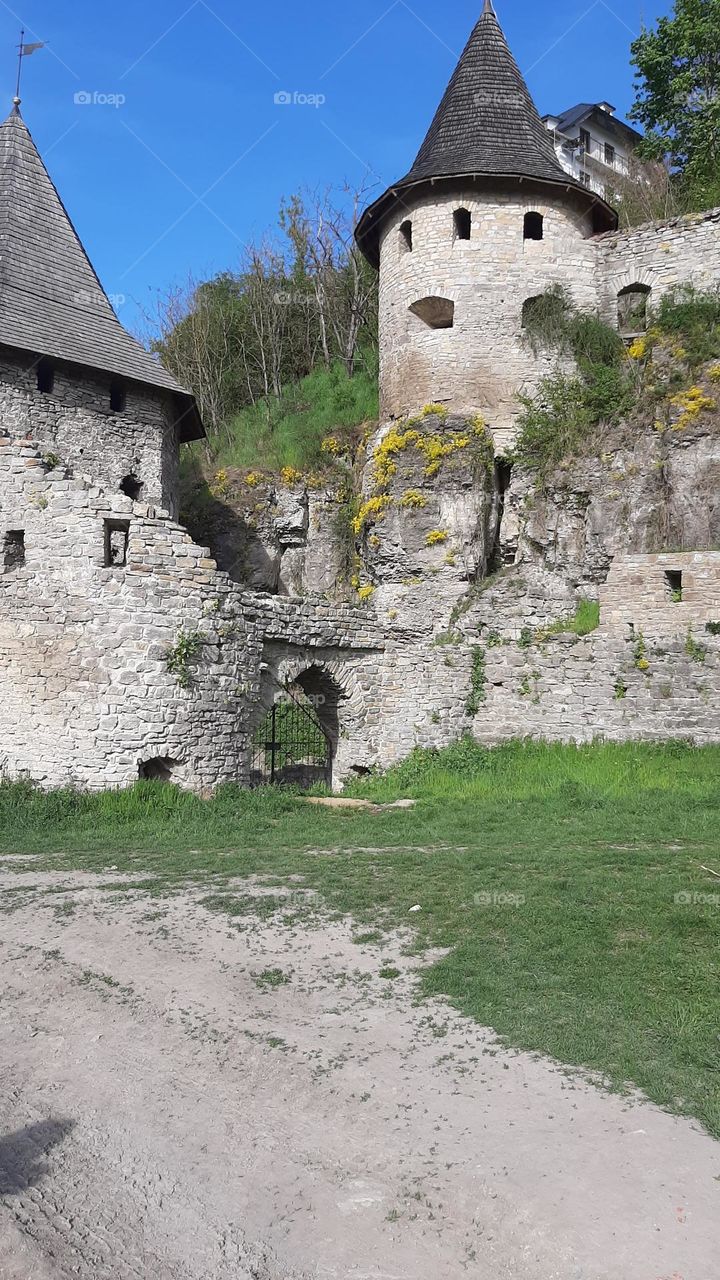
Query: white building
[592,144]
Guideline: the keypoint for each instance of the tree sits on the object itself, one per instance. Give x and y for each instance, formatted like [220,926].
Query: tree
[678,97]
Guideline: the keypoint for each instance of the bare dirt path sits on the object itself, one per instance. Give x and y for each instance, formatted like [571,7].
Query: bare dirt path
[189,1097]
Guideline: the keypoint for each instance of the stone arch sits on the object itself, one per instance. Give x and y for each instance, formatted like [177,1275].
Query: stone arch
[533,225]
[434,311]
[336,679]
[632,307]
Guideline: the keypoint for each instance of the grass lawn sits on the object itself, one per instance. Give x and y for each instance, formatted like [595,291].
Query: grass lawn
[566,882]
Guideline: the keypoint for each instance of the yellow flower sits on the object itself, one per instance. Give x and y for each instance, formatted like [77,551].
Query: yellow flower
[290,475]
[413,498]
[436,536]
[637,349]
[252,478]
[372,509]
[364,593]
[331,445]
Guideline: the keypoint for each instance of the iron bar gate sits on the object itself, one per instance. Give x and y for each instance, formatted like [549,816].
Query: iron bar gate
[290,746]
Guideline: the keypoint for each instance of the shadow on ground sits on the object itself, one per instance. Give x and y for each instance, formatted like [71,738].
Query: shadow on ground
[24,1154]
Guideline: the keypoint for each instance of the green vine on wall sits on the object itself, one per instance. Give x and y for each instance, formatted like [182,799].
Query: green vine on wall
[478,681]
[186,650]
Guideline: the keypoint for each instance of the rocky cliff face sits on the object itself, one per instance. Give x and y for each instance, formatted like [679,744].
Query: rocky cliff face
[431,532]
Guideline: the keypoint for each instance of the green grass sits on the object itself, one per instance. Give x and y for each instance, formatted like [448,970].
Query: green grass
[566,883]
[585,619]
[288,432]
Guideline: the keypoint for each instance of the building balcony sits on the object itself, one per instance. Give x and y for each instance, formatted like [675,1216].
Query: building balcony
[597,153]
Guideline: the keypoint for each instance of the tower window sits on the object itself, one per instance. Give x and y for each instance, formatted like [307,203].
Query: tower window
[45,375]
[533,226]
[632,308]
[406,236]
[118,396]
[117,533]
[131,486]
[436,313]
[462,224]
[13,549]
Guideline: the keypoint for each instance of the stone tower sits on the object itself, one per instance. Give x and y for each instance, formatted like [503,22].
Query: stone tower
[71,377]
[485,220]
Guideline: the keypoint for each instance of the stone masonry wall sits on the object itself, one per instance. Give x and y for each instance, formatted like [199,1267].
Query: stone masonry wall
[480,364]
[86,694]
[661,256]
[668,592]
[74,422]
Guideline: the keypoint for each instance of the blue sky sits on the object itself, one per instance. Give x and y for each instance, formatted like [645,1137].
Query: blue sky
[196,159]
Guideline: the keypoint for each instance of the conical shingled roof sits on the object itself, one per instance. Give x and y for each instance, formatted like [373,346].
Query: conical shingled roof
[487,122]
[487,126]
[51,301]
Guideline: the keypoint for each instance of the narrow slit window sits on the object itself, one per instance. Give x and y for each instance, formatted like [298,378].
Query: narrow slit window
[462,224]
[117,534]
[45,376]
[13,549]
[118,396]
[533,226]
[674,585]
[406,236]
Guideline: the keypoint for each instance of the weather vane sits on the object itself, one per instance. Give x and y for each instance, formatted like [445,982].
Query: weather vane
[24,51]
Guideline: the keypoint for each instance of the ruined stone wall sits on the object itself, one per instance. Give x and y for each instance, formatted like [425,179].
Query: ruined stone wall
[74,423]
[86,692]
[481,363]
[660,256]
[669,592]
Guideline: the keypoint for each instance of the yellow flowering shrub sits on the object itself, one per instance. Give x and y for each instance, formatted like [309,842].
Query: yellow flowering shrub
[331,446]
[436,536]
[691,404]
[413,498]
[372,509]
[252,478]
[364,593]
[290,475]
[714,373]
[638,348]
[220,483]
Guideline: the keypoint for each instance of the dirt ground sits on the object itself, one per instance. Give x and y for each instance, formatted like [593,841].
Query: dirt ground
[188,1096]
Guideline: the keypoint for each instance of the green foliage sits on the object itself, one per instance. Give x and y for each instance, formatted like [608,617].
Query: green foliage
[478,680]
[288,432]
[585,620]
[678,96]
[693,317]
[553,424]
[180,658]
[713,628]
[694,649]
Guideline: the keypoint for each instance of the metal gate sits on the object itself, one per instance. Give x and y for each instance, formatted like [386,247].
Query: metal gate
[290,747]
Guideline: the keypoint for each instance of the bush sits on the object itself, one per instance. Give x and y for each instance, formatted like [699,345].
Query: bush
[693,317]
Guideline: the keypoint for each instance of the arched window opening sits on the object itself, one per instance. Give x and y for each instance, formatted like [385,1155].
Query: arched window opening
[118,396]
[462,224]
[436,313]
[533,226]
[406,236]
[132,487]
[633,308]
[45,376]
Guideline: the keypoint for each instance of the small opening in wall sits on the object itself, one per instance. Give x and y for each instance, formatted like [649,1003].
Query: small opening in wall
[131,486]
[406,236]
[633,308]
[533,226]
[436,313]
[462,224]
[45,376]
[118,396]
[674,585]
[159,769]
[117,533]
[13,549]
